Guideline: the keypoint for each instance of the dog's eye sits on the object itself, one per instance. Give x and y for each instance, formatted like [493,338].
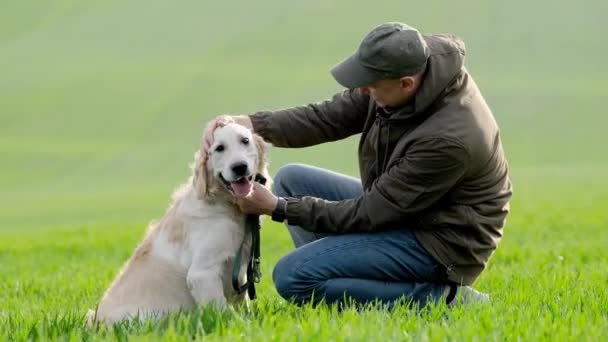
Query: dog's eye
[245,141]
[219,148]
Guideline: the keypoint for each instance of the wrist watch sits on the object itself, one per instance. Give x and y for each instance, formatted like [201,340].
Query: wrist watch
[279,213]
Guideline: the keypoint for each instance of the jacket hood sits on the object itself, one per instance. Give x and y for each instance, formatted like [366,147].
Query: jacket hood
[445,63]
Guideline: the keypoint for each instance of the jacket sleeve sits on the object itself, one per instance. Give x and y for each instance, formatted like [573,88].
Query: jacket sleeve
[338,118]
[414,183]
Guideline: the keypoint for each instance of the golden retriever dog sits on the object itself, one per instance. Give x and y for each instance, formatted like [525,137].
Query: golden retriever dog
[186,258]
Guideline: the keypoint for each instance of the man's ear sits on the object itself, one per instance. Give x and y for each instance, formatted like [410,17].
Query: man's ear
[408,83]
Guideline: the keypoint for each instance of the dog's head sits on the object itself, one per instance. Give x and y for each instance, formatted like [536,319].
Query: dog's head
[231,163]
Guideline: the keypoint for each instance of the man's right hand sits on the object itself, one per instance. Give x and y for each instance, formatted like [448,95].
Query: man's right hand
[222,120]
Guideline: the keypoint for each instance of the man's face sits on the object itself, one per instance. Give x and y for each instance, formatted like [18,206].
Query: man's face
[391,93]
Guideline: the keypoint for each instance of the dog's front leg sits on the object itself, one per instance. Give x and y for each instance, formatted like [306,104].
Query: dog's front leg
[205,284]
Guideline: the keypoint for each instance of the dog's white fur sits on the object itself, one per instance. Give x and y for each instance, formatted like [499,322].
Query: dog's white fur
[186,259]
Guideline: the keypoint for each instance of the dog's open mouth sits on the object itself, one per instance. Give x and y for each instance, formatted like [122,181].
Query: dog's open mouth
[240,187]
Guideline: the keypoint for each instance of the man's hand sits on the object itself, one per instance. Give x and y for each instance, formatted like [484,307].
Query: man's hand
[222,120]
[259,202]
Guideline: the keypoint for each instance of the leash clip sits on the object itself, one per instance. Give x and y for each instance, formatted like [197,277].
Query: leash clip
[257,273]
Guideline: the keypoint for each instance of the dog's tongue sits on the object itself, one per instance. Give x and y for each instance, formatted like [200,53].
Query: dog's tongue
[241,188]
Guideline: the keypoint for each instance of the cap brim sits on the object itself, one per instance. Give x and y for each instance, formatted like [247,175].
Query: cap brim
[350,73]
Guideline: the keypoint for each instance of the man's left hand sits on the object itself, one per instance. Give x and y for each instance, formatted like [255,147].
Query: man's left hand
[259,202]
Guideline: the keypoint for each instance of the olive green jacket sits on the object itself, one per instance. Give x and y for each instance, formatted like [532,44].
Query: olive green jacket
[436,166]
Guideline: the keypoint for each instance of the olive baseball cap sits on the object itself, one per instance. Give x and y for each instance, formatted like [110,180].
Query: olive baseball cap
[391,50]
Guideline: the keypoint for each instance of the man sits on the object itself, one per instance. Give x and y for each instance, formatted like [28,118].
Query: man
[434,193]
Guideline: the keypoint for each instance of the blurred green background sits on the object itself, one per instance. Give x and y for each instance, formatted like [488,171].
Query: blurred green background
[102,103]
[102,106]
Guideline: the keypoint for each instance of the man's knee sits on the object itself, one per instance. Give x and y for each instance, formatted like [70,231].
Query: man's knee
[286,177]
[283,277]
[286,279]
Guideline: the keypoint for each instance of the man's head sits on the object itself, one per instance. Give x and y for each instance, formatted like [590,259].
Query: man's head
[393,93]
[388,65]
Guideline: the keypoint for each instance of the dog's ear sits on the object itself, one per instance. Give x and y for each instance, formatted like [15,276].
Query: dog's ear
[262,167]
[200,178]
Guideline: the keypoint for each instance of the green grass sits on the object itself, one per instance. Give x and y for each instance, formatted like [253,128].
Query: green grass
[101,108]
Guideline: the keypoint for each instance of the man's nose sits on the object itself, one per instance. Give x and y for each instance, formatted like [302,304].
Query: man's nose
[364,90]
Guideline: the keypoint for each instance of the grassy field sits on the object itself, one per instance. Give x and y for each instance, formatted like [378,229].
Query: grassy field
[101,108]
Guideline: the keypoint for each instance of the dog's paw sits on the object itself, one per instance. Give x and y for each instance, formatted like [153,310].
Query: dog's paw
[90,318]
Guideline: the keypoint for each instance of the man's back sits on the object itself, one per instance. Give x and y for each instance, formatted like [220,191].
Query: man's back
[461,226]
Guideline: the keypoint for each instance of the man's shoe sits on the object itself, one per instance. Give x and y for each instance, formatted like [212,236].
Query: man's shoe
[466,295]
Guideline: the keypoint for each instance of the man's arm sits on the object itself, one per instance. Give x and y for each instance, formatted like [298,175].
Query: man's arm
[418,181]
[340,117]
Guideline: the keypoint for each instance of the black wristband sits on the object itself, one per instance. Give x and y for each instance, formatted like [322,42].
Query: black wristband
[280,211]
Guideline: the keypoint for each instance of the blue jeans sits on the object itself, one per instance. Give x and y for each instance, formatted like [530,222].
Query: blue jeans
[383,266]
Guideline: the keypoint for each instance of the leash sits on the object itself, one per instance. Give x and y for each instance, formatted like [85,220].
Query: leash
[253,265]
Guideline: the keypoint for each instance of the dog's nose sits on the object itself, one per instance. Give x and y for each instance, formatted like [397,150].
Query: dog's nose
[239,169]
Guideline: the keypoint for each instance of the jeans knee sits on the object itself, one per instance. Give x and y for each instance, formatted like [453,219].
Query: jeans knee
[284,278]
[285,178]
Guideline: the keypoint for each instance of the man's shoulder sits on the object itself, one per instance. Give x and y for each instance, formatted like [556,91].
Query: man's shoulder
[473,131]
